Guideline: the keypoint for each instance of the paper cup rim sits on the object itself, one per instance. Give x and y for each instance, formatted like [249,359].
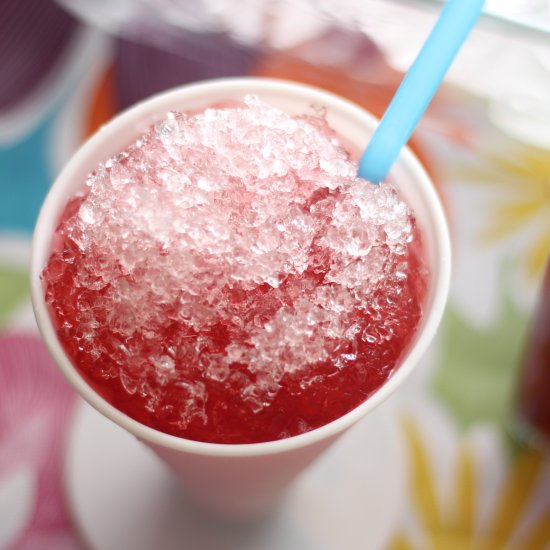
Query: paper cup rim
[48,219]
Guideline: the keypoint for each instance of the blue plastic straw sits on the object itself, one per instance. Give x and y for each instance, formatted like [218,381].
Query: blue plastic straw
[418,87]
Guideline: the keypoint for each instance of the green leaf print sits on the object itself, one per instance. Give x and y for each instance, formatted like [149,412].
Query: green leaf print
[14,288]
[477,368]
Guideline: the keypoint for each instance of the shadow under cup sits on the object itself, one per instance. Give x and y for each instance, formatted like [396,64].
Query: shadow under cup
[243,480]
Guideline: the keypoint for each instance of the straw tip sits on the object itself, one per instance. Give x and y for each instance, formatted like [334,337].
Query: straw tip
[373,170]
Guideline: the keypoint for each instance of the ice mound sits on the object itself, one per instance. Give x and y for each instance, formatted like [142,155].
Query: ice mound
[229,261]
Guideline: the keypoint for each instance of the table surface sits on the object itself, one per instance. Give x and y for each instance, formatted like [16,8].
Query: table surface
[520,15]
[485,141]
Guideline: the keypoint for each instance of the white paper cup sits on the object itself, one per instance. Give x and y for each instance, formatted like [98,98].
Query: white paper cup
[242,480]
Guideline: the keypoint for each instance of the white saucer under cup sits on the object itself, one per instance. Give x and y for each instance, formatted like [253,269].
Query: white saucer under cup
[243,480]
[350,498]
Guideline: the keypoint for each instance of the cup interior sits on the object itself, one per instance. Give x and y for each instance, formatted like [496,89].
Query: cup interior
[347,120]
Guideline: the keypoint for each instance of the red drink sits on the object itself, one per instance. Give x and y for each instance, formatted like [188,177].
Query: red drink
[534,402]
[227,279]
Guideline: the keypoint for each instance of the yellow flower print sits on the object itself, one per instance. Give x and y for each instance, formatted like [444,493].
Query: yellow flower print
[521,175]
[455,528]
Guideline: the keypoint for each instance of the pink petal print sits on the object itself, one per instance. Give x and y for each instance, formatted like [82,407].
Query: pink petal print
[35,407]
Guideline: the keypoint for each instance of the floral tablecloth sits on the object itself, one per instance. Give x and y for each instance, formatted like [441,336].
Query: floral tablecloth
[486,143]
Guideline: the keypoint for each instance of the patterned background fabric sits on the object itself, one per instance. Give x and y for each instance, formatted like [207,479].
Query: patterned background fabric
[470,483]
